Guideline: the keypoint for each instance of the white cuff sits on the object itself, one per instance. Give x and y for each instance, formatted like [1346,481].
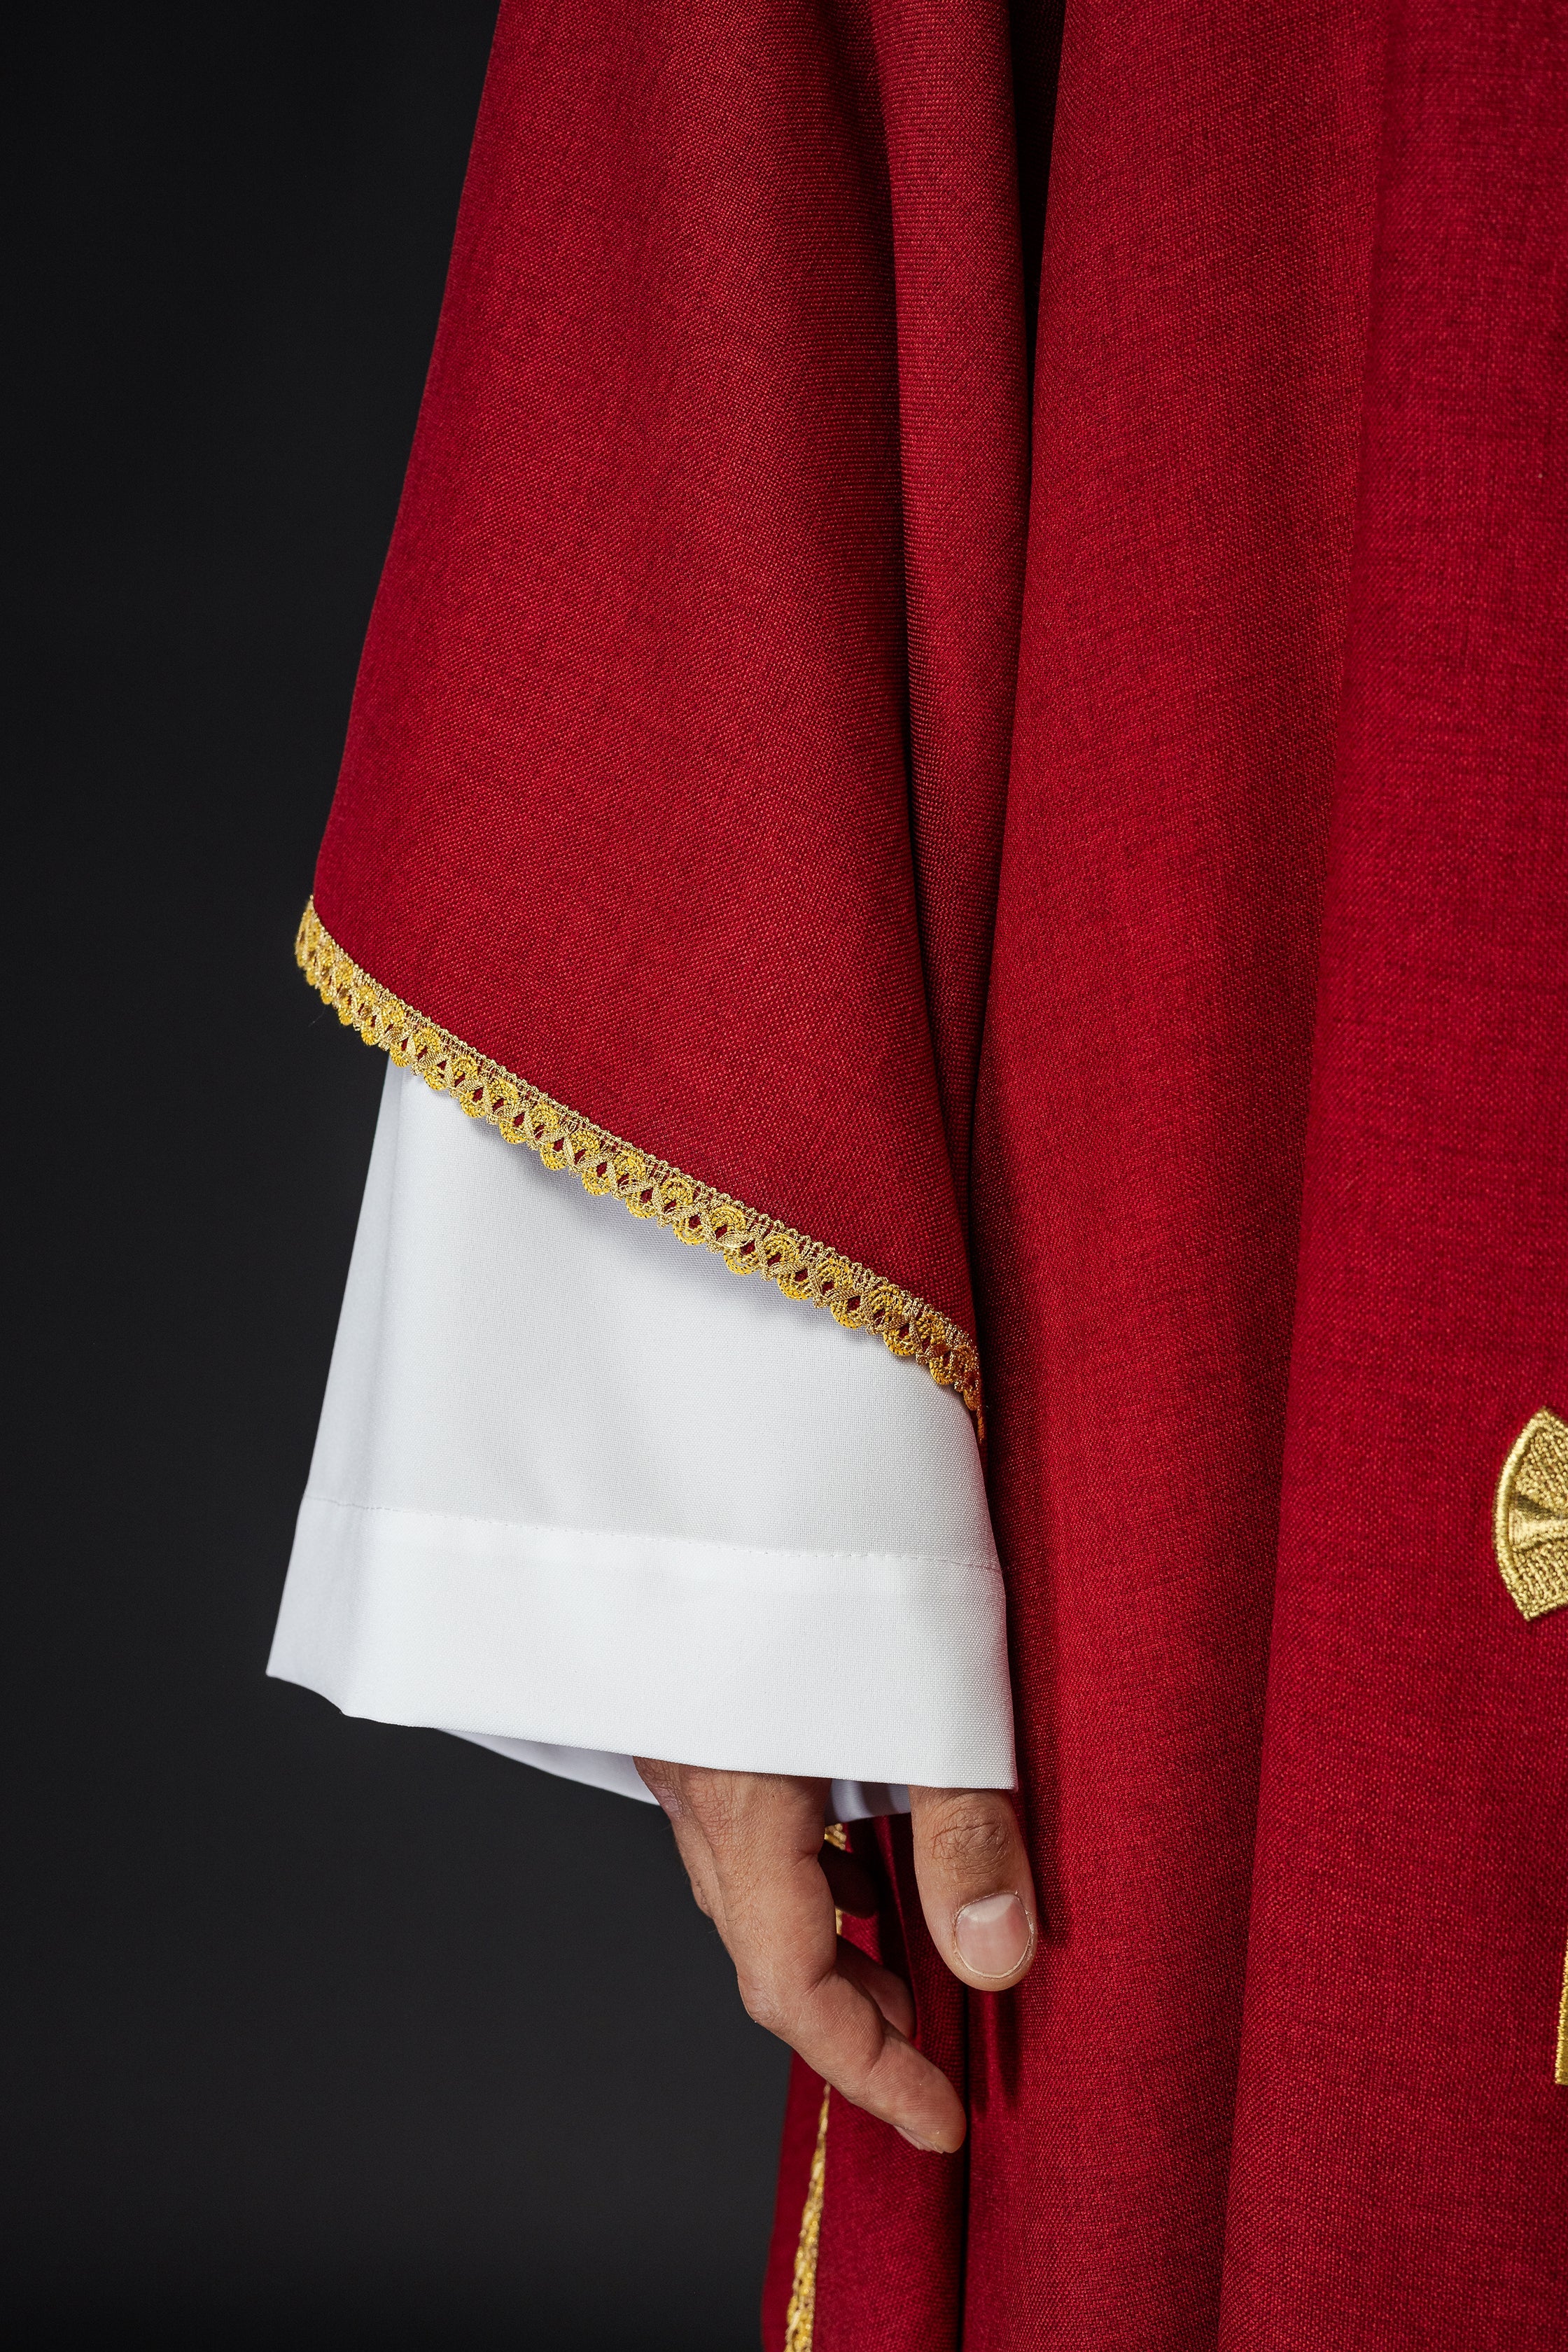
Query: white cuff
[578,1485]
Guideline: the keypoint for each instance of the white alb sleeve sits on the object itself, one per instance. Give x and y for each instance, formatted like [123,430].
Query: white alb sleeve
[581,1494]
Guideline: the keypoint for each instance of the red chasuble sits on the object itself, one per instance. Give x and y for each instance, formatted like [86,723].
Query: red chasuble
[1078,882]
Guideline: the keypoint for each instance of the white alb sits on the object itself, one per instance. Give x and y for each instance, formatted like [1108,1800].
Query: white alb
[581,1494]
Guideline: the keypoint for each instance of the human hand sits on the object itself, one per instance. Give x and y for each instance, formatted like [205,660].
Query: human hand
[754,1850]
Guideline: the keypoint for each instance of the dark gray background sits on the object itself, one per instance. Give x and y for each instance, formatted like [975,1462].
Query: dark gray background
[316,2031]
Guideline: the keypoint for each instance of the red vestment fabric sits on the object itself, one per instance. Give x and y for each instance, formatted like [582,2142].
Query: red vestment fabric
[1156,956]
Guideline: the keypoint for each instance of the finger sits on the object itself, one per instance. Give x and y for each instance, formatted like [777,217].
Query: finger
[765,1839]
[837,2016]
[890,1993]
[701,1869]
[976,1887]
[854,1889]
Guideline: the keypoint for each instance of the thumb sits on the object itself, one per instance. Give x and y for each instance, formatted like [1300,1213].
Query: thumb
[976,1887]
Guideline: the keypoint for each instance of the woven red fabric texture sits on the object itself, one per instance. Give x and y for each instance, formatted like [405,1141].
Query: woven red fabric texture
[1143,1108]
[628,797]
[1156,951]
[1400,2164]
[890,2266]
[803,2112]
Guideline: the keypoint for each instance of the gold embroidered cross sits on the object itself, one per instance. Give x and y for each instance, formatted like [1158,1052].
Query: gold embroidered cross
[1531,1522]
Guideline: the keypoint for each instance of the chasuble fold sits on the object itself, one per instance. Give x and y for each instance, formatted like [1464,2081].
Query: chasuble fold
[1133,979]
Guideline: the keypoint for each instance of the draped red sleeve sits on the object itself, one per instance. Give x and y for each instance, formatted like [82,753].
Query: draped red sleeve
[703,592]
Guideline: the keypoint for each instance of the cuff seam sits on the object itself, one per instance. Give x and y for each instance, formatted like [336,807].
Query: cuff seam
[549,1529]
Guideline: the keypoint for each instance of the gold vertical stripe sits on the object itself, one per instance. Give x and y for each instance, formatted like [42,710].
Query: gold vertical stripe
[800,2313]
[1562,2028]
[800,2316]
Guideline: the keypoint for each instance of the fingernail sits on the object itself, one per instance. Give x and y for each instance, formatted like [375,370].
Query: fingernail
[993,1935]
[926,2147]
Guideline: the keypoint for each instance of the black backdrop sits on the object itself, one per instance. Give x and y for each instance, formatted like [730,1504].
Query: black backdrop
[316,2031]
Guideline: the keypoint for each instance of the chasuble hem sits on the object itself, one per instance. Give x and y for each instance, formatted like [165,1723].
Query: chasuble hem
[747,1241]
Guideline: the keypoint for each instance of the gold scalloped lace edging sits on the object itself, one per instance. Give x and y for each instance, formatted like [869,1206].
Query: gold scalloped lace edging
[747,1241]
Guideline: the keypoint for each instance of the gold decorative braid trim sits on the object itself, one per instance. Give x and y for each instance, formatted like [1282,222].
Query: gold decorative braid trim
[747,1241]
[800,2312]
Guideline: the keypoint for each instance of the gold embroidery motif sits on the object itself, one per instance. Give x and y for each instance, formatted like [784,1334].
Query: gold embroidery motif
[800,2313]
[1531,1520]
[748,1242]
